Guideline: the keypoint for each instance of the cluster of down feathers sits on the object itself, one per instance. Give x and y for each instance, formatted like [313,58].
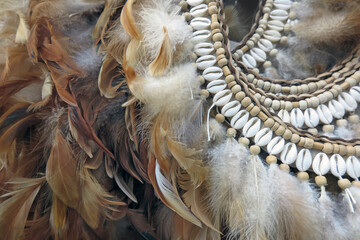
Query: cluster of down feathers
[103,133]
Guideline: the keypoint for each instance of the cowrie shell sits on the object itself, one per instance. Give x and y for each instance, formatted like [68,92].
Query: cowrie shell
[212,73]
[279,14]
[201,36]
[282,4]
[321,164]
[240,119]
[251,127]
[249,60]
[231,108]
[311,117]
[324,114]
[258,54]
[303,160]
[297,118]
[272,35]
[355,93]
[263,137]
[284,116]
[222,97]
[265,45]
[194,2]
[199,11]
[200,23]
[276,25]
[336,109]
[276,145]
[202,49]
[337,165]
[353,167]
[216,86]
[289,154]
[206,61]
[347,101]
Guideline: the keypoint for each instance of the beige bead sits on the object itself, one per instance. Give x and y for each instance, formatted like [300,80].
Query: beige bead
[278,88]
[201,80]
[267,102]
[246,102]
[320,180]
[260,31]
[229,78]
[231,132]
[236,88]
[222,62]
[220,51]
[287,134]
[295,138]
[354,118]
[280,131]
[344,183]
[275,105]
[218,37]
[275,127]
[215,25]
[267,86]
[312,87]
[357,151]
[328,148]
[352,81]
[271,159]
[204,93]
[303,105]
[217,45]
[231,84]
[309,143]
[260,83]
[255,150]
[183,5]
[250,44]
[303,176]
[350,150]
[304,88]
[328,128]
[266,10]
[267,64]
[293,90]
[292,15]
[220,118]
[313,131]
[240,96]
[244,141]
[341,122]
[342,150]
[187,16]
[284,40]
[314,102]
[255,111]
[212,10]
[250,77]
[287,27]
[269,123]
[284,167]
[356,184]
[273,52]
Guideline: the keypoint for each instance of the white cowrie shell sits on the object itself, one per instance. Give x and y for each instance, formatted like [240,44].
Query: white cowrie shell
[249,60]
[200,23]
[216,86]
[258,54]
[279,14]
[240,119]
[199,10]
[324,114]
[265,45]
[263,137]
[206,61]
[272,35]
[282,4]
[336,109]
[321,164]
[194,2]
[337,165]
[355,93]
[200,36]
[353,167]
[303,160]
[222,97]
[297,118]
[289,154]
[284,116]
[276,145]
[251,127]
[202,49]
[231,108]
[212,73]
[311,118]
[347,101]
[276,25]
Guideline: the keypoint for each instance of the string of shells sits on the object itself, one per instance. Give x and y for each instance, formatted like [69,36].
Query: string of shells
[254,123]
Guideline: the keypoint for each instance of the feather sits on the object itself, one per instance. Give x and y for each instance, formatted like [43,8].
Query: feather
[141,224]
[58,216]
[173,199]
[15,209]
[128,21]
[124,187]
[164,58]
[22,34]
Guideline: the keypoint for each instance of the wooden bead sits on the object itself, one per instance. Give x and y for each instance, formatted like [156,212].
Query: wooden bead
[267,64]
[303,176]
[269,123]
[275,105]
[280,131]
[313,131]
[246,102]
[354,118]
[357,151]
[273,52]
[320,180]
[284,167]
[343,150]
[341,122]
[271,159]
[263,117]
[231,84]
[244,141]
[231,132]
[287,134]
[255,111]
[215,25]
[220,118]
[183,5]
[309,143]
[220,51]
[328,128]
[222,62]
[212,10]
[204,93]
[350,150]
[328,148]
[217,45]
[240,96]
[229,78]
[344,183]
[218,37]
[255,150]
[295,138]
[236,88]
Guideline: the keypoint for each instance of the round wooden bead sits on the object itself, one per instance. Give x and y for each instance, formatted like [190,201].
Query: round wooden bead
[246,102]
[354,118]
[187,16]
[344,183]
[313,131]
[255,150]
[295,138]
[255,111]
[267,64]
[231,132]
[217,37]
[244,141]
[320,180]
[284,167]
[309,143]
[328,128]
[328,148]
[269,123]
[341,122]
[303,176]
[271,159]
[212,10]
[217,44]
[236,88]
[284,40]
[220,118]
[287,134]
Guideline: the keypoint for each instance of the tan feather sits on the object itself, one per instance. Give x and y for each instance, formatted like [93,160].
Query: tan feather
[164,58]
[22,34]
[128,21]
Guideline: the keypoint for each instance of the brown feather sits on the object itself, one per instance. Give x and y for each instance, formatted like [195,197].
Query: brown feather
[128,21]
